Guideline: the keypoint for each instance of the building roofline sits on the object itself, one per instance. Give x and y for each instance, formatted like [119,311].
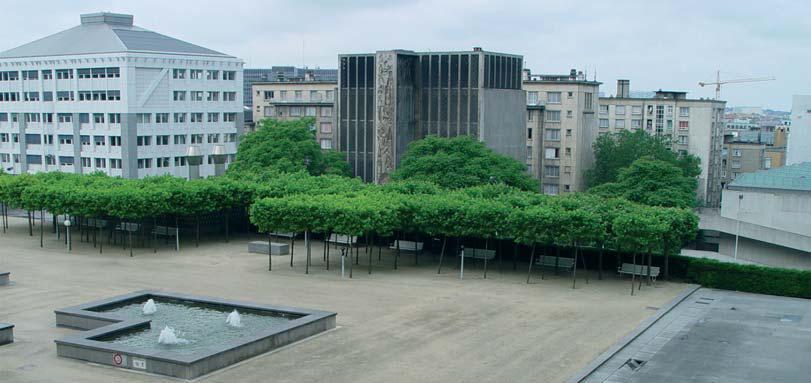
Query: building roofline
[570,82]
[406,51]
[316,82]
[663,99]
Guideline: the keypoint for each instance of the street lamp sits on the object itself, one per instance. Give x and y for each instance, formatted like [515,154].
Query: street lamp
[67,231]
[738,218]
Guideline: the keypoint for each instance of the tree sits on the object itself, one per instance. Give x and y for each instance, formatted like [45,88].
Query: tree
[617,151]
[460,162]
[285,147]
[651,182]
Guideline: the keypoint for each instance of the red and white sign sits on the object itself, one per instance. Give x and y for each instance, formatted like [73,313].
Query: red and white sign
[118,359]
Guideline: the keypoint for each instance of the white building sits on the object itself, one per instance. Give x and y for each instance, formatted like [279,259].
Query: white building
[799,142]
[113,97]
[694,126]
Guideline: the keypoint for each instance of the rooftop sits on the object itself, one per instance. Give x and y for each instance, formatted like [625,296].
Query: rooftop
[106,33]
[790,177]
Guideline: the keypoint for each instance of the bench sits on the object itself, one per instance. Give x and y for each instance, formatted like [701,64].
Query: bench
[96,223]
[407,245]
[165,231]
[261,247]
[341,239]
[283,234]
[4,278]
[555,262]
[641,270]
[128,226]
[470,252]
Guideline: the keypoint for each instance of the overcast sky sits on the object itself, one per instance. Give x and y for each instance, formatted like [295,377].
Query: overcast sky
[655,44]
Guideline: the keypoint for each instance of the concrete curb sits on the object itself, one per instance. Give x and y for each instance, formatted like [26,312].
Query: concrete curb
[617,347]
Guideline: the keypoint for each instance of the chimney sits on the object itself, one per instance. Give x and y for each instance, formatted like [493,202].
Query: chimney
[573,74]
[527,74]
[623,88]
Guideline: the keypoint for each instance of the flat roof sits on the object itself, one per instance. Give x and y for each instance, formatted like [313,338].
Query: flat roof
[789,177]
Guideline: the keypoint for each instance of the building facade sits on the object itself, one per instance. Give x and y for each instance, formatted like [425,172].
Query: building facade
[751,150]
[799,145]
[276,74]
[112,97]
[561,129]
[388,99]
[694,126]
[286,100]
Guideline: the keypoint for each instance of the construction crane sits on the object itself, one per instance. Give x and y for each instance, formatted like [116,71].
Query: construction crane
[718,82]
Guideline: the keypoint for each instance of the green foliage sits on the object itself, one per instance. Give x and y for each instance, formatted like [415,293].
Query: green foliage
[617,151]
[460,162]
[285,147]
[651,182]
[750,278]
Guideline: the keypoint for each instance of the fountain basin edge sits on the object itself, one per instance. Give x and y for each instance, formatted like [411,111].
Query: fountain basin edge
[84,346]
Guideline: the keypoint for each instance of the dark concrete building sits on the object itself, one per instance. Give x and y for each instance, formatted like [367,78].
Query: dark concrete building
[388,99]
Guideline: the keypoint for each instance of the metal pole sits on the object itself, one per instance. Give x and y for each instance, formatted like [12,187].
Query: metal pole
[738,229]
[67,231]
[462,265]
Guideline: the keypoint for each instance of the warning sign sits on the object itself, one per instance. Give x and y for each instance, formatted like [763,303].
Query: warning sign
[118,359]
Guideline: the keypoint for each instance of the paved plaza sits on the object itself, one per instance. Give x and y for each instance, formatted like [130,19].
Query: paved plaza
[402,325]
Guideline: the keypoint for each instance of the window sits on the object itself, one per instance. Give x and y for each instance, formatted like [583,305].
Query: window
[48,139]
[114,118]
[3,137]
[767,163]
[98,72]
[144,140]
[144,163]
[326,128]
[619,124]
[568,132]
[229,75]
[179,73]
[98,118]
[551,171]
[529,153]
[47,96]
[551,153]
[636,109]
[85,95]
[295,111]
[588,101]
[553,97]
[569,94]
[197,95]
[47,74]
[619,109]
[213,138]
[603,109]
[326,112]
[86,162]
[568,152]
[283,94]
[669,111]
[99,140]
[229,117]
[50,159]
[4,157]
[550,189]
[213,96]
[298,94]
[736,152]
[180,161]
[115,163]
[180,139]
[162,140]
[179,95]
[101,163]
[268,94]
[309,111]
[553,134]
[65,160]
[229,137]
[568,114]
[196,139]
[162,162]
[684,125]
[603,123]
[115,141]
[64,117]
[669,125]
[144,118]
[229,96]
[213,117]
[553,115]
[64,96]
[315,95]
[180,118]
[532,98]
[330,95]
[684,111]
[31,96]
[64,74]
[212,75]
[197,117]
[161,118]
[636,124]
[268,111]
[30,75]
[83,72]
[326,143]
[113,72]
[529,133]
[195,74]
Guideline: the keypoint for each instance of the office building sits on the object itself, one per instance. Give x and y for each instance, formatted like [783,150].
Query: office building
[561,129]
[799,145]
[694,126]
[293,99]
[390,98]
[112,97]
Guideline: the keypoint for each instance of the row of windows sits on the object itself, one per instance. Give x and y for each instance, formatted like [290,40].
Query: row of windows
[180,118]
[61,74]
[604,123]
[84,95]
[165,162]
[551,97]
[684,111]
[182,139]
[115,118]
[113,141]
[199,95]
[296,111]
[50,159]
[298,95]
[199,74]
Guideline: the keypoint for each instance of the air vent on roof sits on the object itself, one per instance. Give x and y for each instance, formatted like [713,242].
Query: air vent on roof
[106,18]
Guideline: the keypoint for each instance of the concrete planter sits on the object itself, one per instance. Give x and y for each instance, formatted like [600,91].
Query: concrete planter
[261,247]
[5,278]
[6,333]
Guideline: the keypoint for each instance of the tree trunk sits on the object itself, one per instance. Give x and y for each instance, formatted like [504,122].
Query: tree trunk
[633,274]
[41,228]
[600,262]
[30,225]
[650,263]
[292,246]
[531,261]
[486,248]
[307,250]
[574,267]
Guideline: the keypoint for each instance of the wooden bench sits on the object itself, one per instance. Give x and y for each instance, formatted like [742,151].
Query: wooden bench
[128,226]
[555,262]
[640,270]
[261,247]
[341,239]
[407,245]
[165,231]
[471,252]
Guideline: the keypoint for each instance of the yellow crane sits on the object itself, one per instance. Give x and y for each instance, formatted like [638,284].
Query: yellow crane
[718,82]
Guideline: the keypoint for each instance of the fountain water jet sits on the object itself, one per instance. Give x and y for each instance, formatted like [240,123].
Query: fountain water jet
[149,307]
[168,336]
[234,320]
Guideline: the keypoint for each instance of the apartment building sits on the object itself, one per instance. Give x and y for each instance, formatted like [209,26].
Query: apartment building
[694,126]
[276,74]
[561,129]
[112,97]
[750,151]
[390,98]
[293,99]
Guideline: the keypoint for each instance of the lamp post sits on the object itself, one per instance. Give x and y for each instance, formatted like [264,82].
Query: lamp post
[67,232]
[738,229]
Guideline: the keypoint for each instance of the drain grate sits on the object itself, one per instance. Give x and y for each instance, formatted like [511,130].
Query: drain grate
[702,302]
[635,364]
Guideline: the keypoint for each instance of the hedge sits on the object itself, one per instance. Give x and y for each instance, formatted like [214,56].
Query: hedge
[750,278]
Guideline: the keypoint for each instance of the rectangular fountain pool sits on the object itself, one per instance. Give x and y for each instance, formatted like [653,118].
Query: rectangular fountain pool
[119,332]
